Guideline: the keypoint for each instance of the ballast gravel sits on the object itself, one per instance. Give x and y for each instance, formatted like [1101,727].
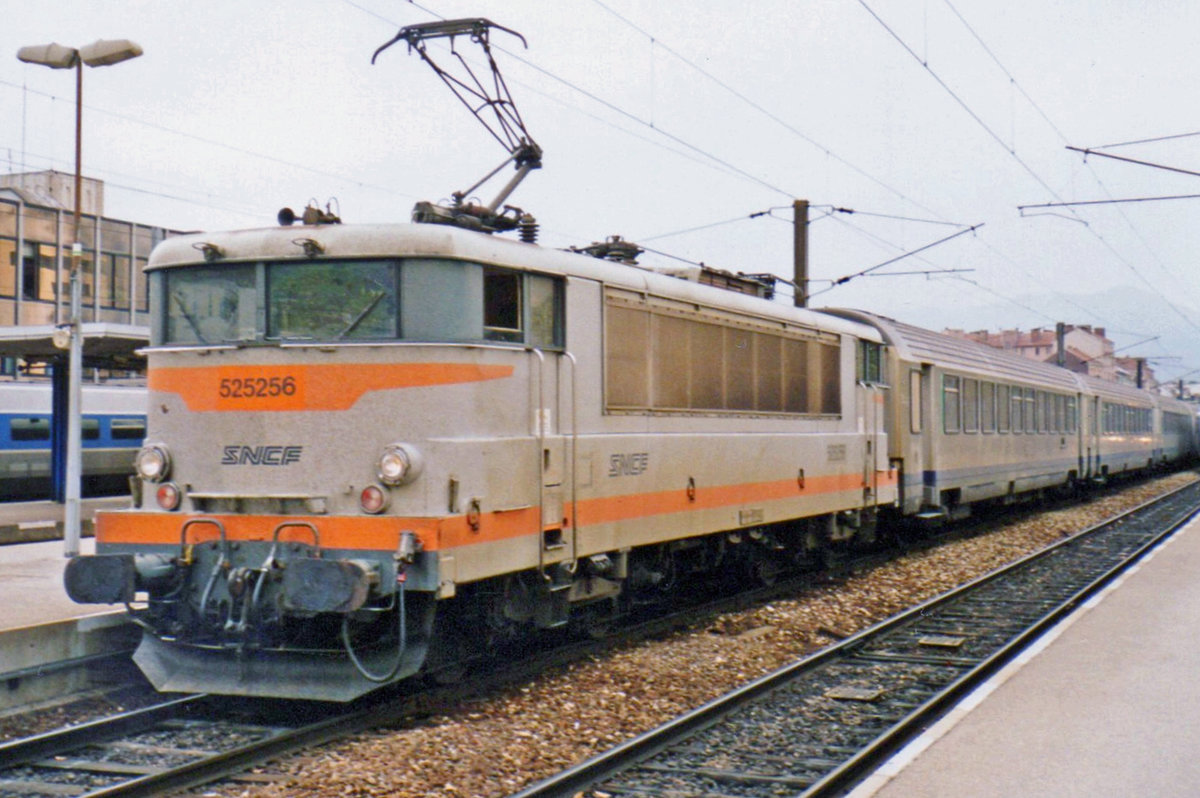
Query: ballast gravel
[495,745]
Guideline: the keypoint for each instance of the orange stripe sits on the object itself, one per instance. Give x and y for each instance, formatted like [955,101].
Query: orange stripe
[330,386]
[340,532]
[383,533]
[621,508]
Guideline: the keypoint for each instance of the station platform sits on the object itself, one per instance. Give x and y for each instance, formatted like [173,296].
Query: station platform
[41,630]
[1106,703]
[29,522]
[31,585]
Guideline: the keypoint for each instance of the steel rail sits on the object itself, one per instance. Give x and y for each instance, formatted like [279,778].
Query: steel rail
[67,747]
[53,743]
[638,751]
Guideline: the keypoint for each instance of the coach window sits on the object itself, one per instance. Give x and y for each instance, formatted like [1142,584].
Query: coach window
[1003,411]
[1018,410]
[1072,414]
[127,429]
[970,405]
[29,429]
[987,406]
[914,400]
[950,404]
[1045,412]
[1031,424]
[870,362]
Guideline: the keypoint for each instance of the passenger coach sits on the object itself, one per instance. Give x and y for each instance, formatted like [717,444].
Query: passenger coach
[969,422]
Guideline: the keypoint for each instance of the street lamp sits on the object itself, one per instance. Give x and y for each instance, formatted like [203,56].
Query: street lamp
[56,56]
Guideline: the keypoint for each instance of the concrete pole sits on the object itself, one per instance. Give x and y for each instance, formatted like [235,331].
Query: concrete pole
[800,251]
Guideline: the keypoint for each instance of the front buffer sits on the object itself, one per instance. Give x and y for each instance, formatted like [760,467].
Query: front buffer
[282,618]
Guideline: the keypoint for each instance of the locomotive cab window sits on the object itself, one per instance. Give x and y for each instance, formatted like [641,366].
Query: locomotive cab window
[331,300]
[522,308]
[502,309]
[328,300]
[207,304]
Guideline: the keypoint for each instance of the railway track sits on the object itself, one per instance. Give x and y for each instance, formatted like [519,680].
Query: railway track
[176,744]
[200,739]
[815,727]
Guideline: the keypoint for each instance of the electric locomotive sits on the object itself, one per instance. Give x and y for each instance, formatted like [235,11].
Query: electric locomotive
[372,449]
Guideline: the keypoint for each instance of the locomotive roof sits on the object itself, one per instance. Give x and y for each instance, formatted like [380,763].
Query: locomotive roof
[443,241]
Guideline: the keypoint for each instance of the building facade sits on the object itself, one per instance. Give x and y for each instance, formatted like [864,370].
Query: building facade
[1086,351]
[36,233]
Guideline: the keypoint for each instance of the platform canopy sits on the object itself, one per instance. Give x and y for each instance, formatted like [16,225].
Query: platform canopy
[105,345]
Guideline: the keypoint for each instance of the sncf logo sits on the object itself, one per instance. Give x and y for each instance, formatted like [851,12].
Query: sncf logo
[261,455]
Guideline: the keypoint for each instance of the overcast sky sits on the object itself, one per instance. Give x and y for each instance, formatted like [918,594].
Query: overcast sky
[660,117]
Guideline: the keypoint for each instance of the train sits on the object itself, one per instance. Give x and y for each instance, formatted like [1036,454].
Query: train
[374,451]
[112,427]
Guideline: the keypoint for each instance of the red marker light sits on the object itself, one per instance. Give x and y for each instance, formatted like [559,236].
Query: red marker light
[373,499]
[167,496]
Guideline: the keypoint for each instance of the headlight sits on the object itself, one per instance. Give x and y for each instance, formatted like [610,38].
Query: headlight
[399,464]
[153,463]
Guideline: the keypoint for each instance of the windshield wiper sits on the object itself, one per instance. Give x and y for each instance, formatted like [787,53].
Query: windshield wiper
[188,317]
[362,315]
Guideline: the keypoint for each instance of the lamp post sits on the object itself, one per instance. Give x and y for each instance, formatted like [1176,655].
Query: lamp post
[56,56]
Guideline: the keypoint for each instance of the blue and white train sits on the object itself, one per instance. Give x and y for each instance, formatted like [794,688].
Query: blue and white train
[113,427]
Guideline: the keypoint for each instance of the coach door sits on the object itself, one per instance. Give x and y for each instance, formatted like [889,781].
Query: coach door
[1091,436]
[871,420]
[914,452]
